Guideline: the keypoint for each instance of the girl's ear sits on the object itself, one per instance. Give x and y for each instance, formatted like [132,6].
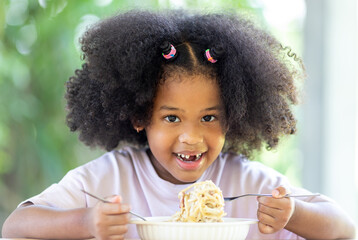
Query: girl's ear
[138,129]
[136,125]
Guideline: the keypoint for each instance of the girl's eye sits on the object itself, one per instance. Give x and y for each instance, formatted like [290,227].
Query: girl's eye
[172,118]
[208,118]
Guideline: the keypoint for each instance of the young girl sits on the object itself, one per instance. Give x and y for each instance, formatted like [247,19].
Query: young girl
[192,96]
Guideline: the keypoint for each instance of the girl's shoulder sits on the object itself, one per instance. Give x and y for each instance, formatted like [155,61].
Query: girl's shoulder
[240,161]
[250,170]
[114,160]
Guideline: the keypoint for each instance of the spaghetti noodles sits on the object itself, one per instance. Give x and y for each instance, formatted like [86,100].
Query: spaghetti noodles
[204,203]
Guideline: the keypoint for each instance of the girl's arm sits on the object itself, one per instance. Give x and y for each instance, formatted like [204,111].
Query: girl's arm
[46,222]
[102,221]
[320,220]
[311,220]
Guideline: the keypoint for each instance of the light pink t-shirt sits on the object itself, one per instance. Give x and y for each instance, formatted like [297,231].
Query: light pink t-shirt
[129,173]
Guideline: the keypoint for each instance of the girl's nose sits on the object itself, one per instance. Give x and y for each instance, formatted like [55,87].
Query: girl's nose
[191,137]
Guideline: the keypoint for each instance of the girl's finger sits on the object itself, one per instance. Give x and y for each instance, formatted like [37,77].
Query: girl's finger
[273,212]
[115,208]
[265,228]
[117,230]
[279,192]
[265,218]
[280,217]
[120,219]
[278,203]
[116,237]
[114,199]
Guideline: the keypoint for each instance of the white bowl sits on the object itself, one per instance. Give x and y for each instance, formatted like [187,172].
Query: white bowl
[159,228]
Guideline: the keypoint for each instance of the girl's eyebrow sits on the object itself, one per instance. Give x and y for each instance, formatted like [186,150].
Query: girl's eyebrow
[165,107]
[218,107]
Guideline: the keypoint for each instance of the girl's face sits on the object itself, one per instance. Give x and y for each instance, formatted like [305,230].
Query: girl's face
[185,135]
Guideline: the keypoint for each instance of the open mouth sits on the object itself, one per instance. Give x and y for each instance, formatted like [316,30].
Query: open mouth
[188,158]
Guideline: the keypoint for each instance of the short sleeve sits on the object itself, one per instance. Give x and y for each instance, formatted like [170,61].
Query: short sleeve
[65,194]
[101,176]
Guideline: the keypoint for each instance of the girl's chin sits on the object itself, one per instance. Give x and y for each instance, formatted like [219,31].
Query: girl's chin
[187,180]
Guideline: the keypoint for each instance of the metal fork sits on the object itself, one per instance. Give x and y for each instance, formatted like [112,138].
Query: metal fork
[105,201]
[268,195]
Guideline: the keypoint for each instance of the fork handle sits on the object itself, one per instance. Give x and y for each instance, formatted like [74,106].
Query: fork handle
[247,195]
[105,201]
[269,195]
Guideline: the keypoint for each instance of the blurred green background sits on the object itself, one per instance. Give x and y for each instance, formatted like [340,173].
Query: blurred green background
[39,51]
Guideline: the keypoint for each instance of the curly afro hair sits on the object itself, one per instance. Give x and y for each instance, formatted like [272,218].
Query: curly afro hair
[116,85]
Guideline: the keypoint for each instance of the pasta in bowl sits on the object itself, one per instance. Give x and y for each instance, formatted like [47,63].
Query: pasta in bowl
[201,216]
[204,203]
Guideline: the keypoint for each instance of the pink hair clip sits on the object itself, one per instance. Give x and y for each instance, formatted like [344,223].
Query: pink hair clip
[209,57]
[171,54]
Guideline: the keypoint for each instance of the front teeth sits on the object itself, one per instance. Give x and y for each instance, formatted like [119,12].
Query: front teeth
[183,156]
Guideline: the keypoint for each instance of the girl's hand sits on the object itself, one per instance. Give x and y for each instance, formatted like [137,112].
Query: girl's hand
[109,220]
[274,212]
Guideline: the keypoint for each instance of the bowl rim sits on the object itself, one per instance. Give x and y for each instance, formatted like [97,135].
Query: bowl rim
[164,221]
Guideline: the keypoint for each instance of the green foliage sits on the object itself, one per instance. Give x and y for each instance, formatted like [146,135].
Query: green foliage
[38,53]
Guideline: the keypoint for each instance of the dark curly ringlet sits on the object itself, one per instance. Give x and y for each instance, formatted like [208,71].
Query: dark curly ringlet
[123,66]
